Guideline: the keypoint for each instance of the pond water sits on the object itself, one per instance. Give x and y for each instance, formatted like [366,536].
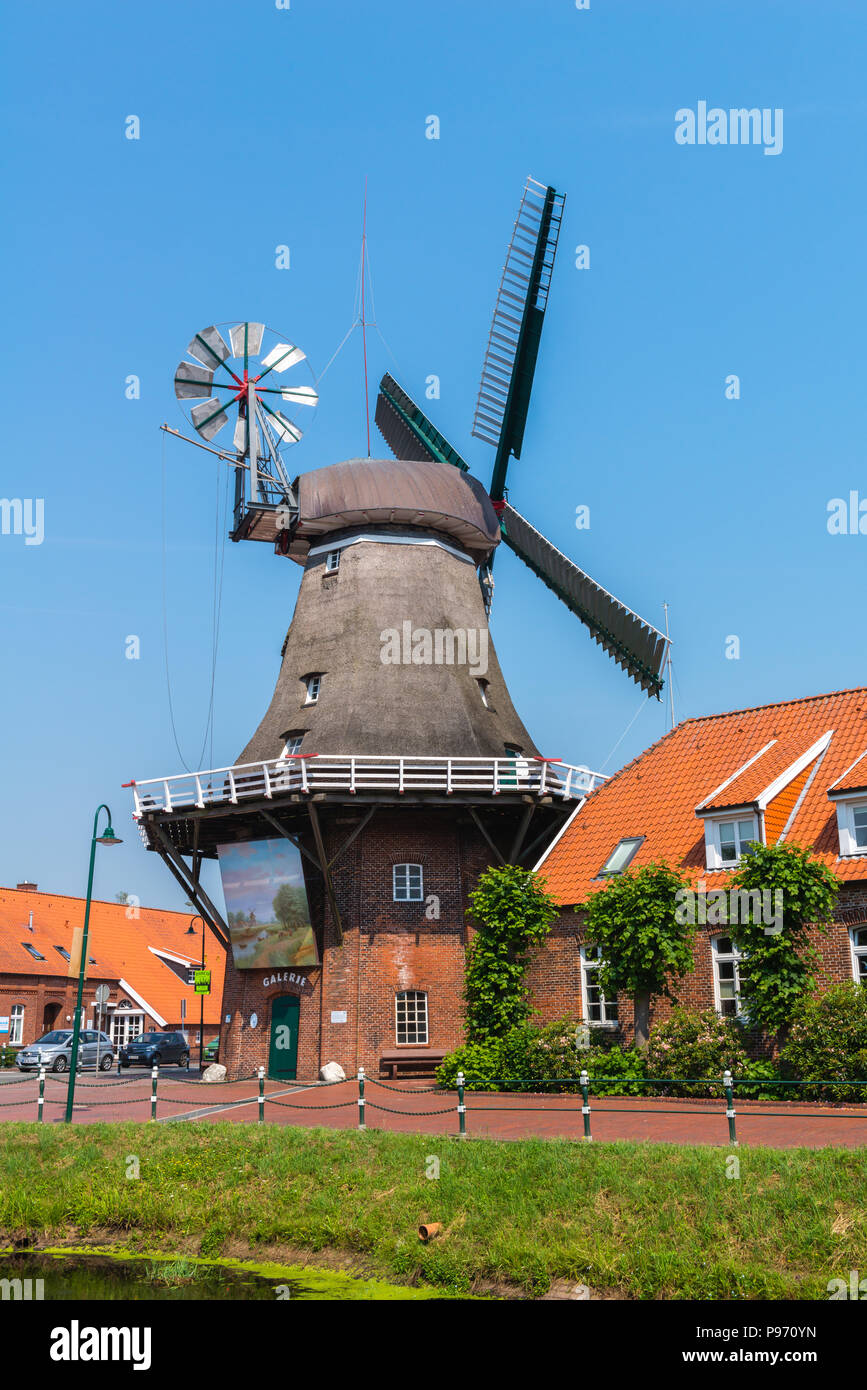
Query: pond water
[99,1277]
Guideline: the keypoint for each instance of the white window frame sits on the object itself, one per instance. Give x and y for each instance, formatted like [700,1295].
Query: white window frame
[313,684]
[125,1025]
[849,846]
[713,851]
[16,1023]
[407,896]
[417,1019]
[591,957]
[859,953]
[292,746]
[735,957]
[332,562]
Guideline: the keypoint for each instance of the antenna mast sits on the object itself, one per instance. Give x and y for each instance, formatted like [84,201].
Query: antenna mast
[363,320]
[668,666]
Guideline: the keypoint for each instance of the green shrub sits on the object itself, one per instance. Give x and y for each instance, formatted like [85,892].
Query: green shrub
[480,1062]
[622,1068]
[761,1070]
[692,1044]
[828,1042]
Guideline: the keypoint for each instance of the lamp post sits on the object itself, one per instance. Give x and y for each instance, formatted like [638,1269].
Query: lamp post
[191,931]
[107,837]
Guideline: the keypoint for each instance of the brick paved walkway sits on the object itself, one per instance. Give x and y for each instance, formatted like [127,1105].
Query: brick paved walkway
[99,1098]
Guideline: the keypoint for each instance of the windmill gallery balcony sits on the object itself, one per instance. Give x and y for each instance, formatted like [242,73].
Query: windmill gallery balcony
[301,776]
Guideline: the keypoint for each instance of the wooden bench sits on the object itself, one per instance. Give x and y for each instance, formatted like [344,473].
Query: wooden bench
[413,1059]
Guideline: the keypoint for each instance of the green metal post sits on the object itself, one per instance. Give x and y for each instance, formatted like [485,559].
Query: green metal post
[585,1108]
[261,1095]
[154,1074]
[82,969]
[361,1123]
[462,1109]
[40,1105]
[730,1106]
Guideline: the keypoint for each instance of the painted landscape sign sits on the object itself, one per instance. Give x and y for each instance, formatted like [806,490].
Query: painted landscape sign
[266,904]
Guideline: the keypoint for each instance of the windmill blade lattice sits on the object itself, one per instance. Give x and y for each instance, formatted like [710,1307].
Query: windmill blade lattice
[635,645]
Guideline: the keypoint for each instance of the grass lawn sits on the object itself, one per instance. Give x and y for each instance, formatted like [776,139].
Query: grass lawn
[630,1219]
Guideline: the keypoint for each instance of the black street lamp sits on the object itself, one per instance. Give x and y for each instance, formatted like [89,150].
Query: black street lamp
[107,837]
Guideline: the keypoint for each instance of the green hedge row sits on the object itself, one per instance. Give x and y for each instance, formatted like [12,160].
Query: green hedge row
[826,1047]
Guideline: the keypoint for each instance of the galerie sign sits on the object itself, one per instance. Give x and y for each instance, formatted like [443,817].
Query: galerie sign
[292,982]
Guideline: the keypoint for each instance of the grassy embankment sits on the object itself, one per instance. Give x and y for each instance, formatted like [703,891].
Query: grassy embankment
[630,1219]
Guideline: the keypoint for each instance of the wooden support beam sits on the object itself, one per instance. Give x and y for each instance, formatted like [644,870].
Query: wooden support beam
[472,811]
[548,831]
[521,833]
[292,838]
[326,872]
[354,836]
[197,893]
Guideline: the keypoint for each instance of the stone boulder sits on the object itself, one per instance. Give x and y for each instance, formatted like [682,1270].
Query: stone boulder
[215,1072]
[332,1071]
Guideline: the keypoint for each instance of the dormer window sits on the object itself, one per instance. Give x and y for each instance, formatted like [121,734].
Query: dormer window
[313,685]
[293,745]
[728,840]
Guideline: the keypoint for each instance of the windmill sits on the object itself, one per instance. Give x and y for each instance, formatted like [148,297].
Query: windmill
[500,417]
[245,378]
[390,755]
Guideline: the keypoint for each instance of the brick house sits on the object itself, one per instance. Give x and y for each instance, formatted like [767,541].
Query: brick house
[146,957]
[793,772]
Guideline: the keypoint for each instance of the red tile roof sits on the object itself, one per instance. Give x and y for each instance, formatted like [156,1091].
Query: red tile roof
[120,945]
[656,795]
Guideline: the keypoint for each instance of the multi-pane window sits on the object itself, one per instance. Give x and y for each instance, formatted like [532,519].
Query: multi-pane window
[726,959]
[408,883]
[16,1024]
[332,562]
[859,953]
[411,1016]
[859,825]
[314,685]
[621,856]
[597,1009]
[293,745]
[734,836]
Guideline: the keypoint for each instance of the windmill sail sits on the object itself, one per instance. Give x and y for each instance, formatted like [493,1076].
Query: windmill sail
[513,342]
[406,429]
[635,645]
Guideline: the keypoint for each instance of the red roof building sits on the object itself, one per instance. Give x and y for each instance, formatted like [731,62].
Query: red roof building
[146,957]
[794,773]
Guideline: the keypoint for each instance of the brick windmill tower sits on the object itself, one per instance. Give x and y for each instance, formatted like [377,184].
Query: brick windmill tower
[390,767]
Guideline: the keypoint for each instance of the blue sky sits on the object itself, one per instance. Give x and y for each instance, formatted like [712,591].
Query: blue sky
[259,126]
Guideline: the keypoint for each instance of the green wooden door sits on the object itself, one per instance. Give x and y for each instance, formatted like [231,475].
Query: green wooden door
[283,1053]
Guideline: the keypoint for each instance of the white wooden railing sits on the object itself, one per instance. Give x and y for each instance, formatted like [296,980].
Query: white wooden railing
[347,773]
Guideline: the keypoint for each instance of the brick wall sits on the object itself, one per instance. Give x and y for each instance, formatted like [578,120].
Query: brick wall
[390,946]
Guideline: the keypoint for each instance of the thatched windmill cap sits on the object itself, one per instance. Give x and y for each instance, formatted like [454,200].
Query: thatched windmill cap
[377,492]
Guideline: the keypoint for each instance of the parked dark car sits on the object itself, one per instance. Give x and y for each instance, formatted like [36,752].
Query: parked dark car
[156,1049]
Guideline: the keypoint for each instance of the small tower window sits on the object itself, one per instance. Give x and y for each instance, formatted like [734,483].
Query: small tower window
[411,1016]
[483,691]
[293,744]
[332,562]
[408,883]
[313,684]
